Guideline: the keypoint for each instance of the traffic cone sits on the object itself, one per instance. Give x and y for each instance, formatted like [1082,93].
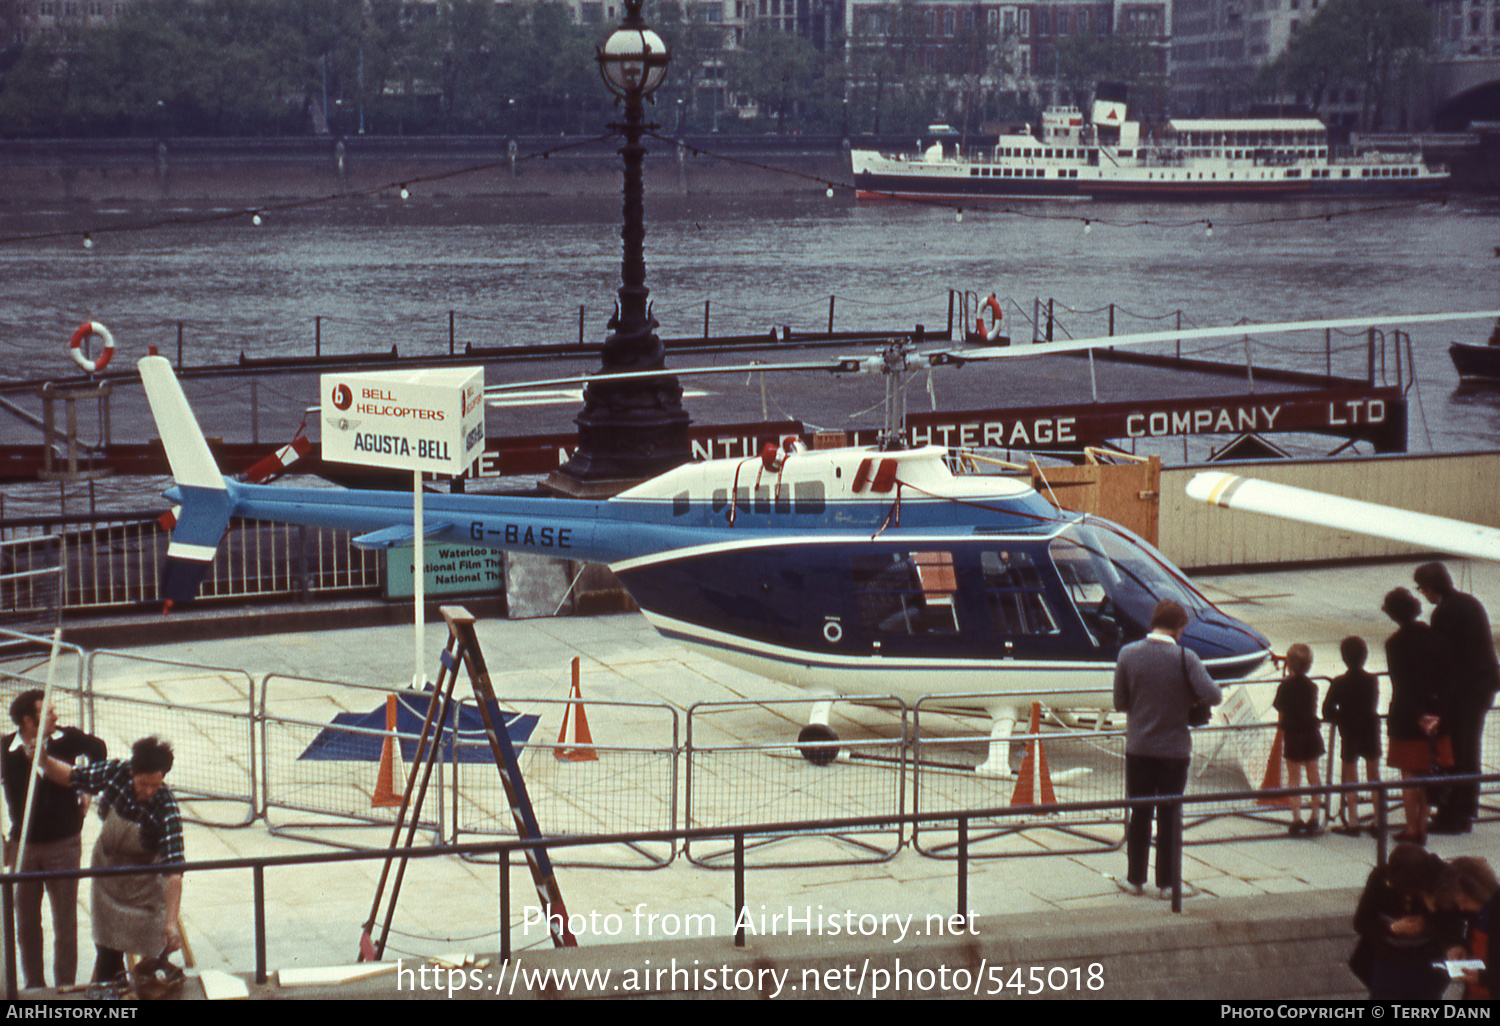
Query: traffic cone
[1034,782]
[385,796]
[581,735]
[1272,779]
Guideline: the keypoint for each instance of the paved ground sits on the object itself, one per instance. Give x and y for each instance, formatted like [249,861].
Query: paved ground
[449,905]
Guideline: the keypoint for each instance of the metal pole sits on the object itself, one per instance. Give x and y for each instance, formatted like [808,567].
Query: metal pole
[963,867]
[950,313]
[505,905]
[1175,811]
[581,309]
[705,318]
[318,335]
[9,903]
[258,875]
[1049,319]
[450,332]
[739,892]
[1111,318]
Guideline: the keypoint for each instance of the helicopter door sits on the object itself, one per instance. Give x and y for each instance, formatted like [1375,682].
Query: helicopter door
[906,601]
[1022,621]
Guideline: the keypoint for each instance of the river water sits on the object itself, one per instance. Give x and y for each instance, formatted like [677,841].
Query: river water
[517,271]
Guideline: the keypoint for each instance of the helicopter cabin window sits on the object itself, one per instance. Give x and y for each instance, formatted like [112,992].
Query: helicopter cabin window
[1013,593]
[906,592]
[804,497]
[680,504]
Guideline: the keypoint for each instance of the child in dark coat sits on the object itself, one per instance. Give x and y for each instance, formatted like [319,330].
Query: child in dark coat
[1302,742]
[1352,704]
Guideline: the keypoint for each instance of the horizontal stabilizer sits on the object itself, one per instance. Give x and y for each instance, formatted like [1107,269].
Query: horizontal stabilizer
[400,534]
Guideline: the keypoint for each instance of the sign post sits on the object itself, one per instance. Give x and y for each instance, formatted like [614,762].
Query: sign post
[425,421]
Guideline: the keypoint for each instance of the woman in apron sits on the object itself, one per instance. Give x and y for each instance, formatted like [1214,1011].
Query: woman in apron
[142,826]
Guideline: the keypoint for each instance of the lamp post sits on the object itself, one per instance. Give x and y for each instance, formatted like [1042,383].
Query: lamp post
[631,430]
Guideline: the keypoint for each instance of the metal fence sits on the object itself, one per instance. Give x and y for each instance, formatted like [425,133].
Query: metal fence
[578,788]
[314,766]
[296,751]
[731,782]
[1063,765]
[97,563]
[206,712]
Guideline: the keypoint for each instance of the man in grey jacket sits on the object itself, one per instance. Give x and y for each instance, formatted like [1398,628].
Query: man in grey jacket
[1156,681]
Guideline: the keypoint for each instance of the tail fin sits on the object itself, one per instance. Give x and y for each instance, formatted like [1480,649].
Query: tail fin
[205,496]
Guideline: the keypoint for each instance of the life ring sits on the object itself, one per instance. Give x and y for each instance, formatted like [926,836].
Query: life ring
[75,345]
[997,318]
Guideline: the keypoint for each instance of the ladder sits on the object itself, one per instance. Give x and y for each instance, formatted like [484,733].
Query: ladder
[463,651]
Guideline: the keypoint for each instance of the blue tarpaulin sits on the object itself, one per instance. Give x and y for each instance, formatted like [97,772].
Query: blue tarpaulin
[333,744]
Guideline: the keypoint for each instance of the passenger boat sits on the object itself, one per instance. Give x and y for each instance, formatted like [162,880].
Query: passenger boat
[1222,158]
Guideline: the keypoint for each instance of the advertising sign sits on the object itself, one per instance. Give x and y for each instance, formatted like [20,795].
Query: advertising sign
[427,420]
[451,570]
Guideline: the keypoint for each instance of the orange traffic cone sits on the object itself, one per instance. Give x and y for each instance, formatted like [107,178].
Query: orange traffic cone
[385,796]
[1272,779]
[581,735]
[1034,783]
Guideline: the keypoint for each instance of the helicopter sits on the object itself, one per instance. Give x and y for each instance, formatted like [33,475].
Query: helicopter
[824,569]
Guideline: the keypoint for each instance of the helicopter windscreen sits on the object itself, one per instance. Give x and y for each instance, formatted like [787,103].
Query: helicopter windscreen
[1116,581]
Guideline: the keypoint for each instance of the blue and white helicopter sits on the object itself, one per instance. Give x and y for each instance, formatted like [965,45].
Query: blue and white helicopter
[843,571]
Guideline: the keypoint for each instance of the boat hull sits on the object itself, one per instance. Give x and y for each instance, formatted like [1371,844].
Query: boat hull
[1475,363]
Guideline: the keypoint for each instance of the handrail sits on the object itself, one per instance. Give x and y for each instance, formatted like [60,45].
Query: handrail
[258,864]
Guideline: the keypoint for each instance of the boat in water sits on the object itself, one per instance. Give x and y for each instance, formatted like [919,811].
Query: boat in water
[1477,362]
[1107,158]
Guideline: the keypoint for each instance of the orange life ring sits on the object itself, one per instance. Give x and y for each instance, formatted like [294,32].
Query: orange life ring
[75,345]
[997,318]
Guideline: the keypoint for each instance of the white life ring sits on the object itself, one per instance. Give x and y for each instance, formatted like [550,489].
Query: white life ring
[75,346]
[997,318]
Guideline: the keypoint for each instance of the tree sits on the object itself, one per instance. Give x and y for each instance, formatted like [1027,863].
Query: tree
[777,70]
[1083,61]
[1379,46]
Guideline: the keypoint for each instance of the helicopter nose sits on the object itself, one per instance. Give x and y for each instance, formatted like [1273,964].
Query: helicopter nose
[1232,648]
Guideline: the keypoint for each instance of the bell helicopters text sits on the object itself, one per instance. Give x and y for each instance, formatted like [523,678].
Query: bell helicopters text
[841,571]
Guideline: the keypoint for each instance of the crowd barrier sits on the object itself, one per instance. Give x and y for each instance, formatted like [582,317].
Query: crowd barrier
[733,783]
[307,756]
[576,786]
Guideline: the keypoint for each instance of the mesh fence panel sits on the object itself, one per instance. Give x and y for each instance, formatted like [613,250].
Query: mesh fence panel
[741,784]
[207,713]
[340,785]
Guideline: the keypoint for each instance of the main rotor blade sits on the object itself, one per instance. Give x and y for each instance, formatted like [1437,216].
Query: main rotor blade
[1227,331]
[841,365]
[1421,529]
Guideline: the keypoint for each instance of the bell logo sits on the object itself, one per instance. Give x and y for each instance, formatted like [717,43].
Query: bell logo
[343,398]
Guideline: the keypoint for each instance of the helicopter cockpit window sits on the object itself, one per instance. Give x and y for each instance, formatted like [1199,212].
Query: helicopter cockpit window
[906,592]
[1013,592]
[1116,581]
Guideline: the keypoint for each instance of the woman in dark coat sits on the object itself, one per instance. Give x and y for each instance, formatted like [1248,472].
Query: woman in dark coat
[1418,661]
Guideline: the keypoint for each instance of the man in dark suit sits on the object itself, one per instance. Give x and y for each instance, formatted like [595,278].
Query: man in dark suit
[1460,620]
[53,839]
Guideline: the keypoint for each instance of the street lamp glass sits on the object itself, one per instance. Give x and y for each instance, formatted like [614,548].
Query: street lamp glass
[634,60]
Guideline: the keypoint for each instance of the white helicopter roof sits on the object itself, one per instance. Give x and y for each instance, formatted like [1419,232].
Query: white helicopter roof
[846,474]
